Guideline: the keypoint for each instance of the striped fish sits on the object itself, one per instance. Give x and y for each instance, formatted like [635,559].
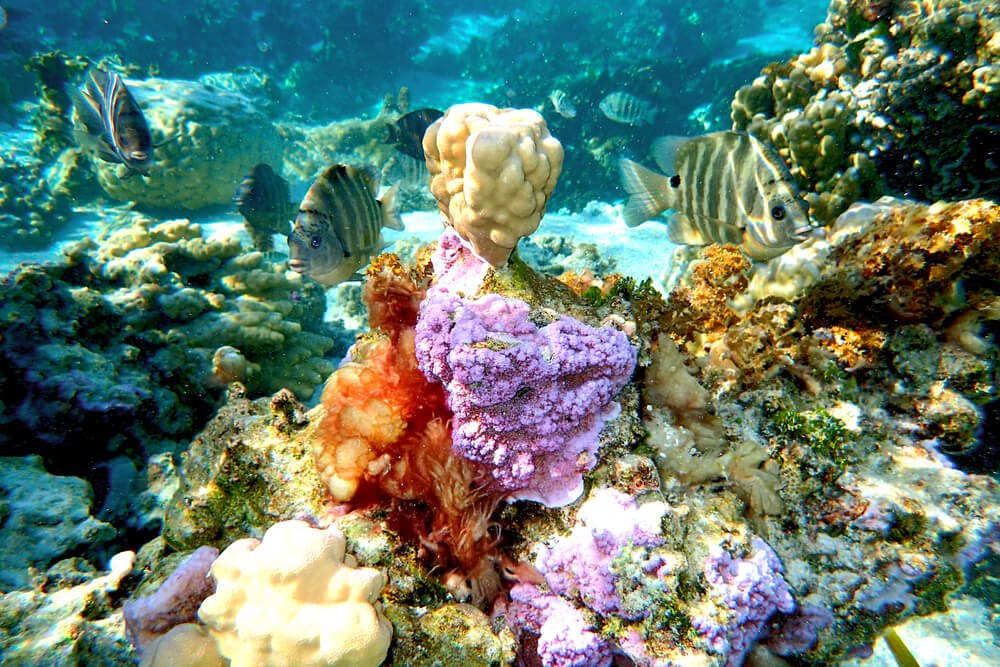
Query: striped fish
[338,227]
[726,187]
[628,109]
[114,125]
[263,200]
[562,103]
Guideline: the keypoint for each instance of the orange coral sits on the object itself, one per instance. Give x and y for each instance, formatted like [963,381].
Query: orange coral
[703,307]
[386,433]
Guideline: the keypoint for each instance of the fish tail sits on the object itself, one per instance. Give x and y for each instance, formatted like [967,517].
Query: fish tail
[649,193]
[387,205]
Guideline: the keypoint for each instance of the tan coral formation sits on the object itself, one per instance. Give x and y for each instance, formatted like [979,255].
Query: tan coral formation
[210,139]
[492,172]
[207,293]
[296,598]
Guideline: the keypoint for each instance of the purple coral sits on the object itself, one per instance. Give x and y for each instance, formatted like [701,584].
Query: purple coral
[528,401]
[176,601]
[565,638]
[580,564]
[751,590]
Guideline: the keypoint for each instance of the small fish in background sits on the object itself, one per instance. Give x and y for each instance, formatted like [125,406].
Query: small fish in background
[407,133]
[626,108]
[263,199]
[562,103]
[114,125]
[338,228]
[407,172]
[726,187]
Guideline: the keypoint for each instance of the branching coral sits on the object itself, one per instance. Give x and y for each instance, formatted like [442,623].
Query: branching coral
[492,172]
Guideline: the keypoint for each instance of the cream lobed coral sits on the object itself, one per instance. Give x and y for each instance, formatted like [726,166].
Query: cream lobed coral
[492,172]
[296,598]
[210,138]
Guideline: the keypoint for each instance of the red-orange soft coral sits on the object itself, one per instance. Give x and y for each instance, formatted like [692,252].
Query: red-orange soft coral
[386,432]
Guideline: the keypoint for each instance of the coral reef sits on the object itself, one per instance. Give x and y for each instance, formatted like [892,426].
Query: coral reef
[895,101]
[492,172]
[296,595]
[176,601]
[226,492]
[71,620]
[528,401]
[45,517]
[210,138]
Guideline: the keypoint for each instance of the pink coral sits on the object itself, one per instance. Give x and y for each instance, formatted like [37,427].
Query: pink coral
[176,601]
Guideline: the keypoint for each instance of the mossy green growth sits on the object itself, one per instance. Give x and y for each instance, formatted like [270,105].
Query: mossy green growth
[824,433]
[907,525]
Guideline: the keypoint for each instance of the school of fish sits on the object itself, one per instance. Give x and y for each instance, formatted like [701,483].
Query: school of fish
[725,187]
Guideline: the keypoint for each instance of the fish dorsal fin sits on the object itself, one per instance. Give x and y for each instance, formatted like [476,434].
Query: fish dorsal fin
[664,152]
[387,205]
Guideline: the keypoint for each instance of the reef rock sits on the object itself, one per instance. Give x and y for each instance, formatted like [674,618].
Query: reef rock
[42,518]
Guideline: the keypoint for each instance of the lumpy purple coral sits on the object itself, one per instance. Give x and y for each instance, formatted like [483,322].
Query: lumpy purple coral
[176,601]
[751,590]
[529,401]
[565,638]
[579,565]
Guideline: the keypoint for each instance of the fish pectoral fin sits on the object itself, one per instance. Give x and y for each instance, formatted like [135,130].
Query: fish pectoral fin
[387,205]
[166,141]
[684,232]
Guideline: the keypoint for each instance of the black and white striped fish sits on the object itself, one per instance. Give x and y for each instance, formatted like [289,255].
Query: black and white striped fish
[628,109]
[114,125]
[726,187]
[338,227]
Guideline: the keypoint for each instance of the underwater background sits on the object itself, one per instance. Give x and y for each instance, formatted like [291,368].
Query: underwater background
[659,333]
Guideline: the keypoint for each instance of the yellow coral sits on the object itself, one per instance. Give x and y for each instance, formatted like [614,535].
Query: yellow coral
[492,171]
[296,598]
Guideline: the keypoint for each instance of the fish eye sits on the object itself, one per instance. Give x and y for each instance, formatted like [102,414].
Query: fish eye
[778,212]
[315,241]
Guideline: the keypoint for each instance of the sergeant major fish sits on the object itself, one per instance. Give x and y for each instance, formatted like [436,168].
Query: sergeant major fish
[407,133]
[263,200]
[628,109]
[338,227]
[114,124]
[727,187]
[562,103]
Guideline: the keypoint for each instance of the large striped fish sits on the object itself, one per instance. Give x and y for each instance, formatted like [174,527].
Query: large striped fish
[114,125]
[726,187]
[339,225]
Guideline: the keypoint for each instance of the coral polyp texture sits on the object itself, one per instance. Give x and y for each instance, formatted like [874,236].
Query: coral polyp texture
[492,172]
[897,101]
[529,401]
[296,597]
